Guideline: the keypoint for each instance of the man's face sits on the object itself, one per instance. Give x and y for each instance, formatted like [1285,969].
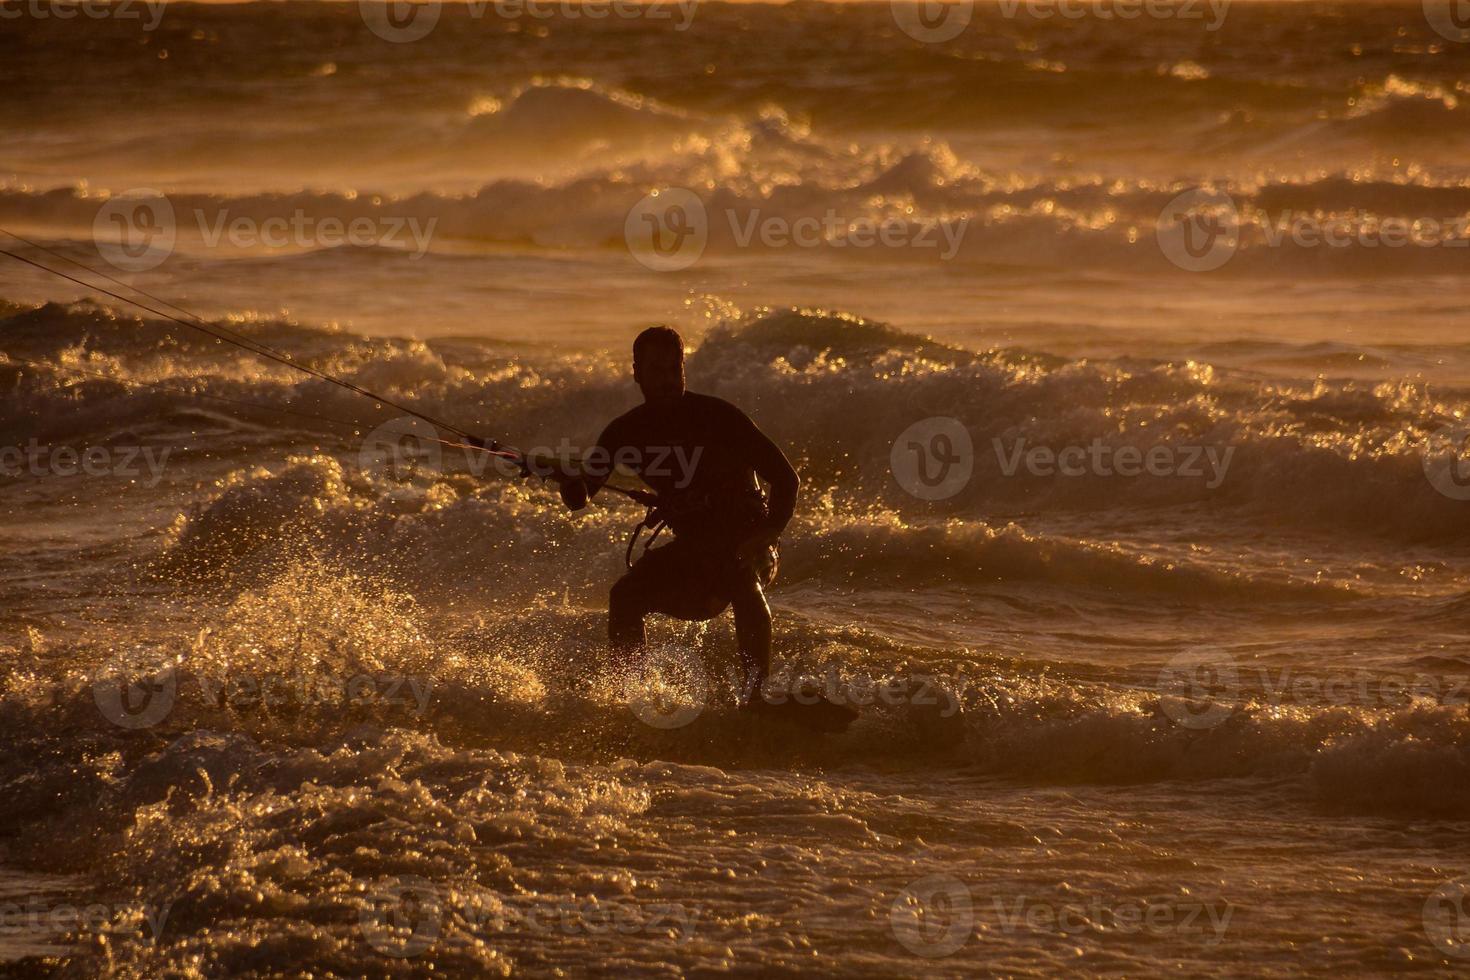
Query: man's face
[660,375]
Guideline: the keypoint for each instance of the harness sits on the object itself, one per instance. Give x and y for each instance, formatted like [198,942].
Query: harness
[653,520]
[660,512]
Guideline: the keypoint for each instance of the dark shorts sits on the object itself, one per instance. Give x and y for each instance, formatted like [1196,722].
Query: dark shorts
[689,579]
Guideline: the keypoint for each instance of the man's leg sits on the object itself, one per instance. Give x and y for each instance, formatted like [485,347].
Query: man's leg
[752,634]
[674,580]
[627,604]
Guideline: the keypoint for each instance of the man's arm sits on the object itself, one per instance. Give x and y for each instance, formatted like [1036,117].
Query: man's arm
[593,470]
[772,466]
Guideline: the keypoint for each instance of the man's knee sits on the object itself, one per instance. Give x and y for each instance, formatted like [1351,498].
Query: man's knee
[625,612]
[748,601]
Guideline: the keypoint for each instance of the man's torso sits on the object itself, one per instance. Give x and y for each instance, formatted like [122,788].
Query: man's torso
[696,455]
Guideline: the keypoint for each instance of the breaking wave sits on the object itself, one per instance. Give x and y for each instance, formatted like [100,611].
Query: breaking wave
[838,390]
[320,670]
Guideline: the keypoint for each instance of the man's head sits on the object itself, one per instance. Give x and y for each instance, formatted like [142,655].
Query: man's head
[658,365]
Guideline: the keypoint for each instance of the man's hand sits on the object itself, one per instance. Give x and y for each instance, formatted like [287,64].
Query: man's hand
[754,546]
[573,491]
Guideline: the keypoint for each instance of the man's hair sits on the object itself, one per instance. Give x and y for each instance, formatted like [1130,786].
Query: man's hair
[655,337]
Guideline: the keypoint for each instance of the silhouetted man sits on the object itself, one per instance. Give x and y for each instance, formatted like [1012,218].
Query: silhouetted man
[701,456]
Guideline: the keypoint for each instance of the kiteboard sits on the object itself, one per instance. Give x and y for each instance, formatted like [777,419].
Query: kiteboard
[815,713]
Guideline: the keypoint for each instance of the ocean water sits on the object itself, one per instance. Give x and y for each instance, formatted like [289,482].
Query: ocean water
[1146,548]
